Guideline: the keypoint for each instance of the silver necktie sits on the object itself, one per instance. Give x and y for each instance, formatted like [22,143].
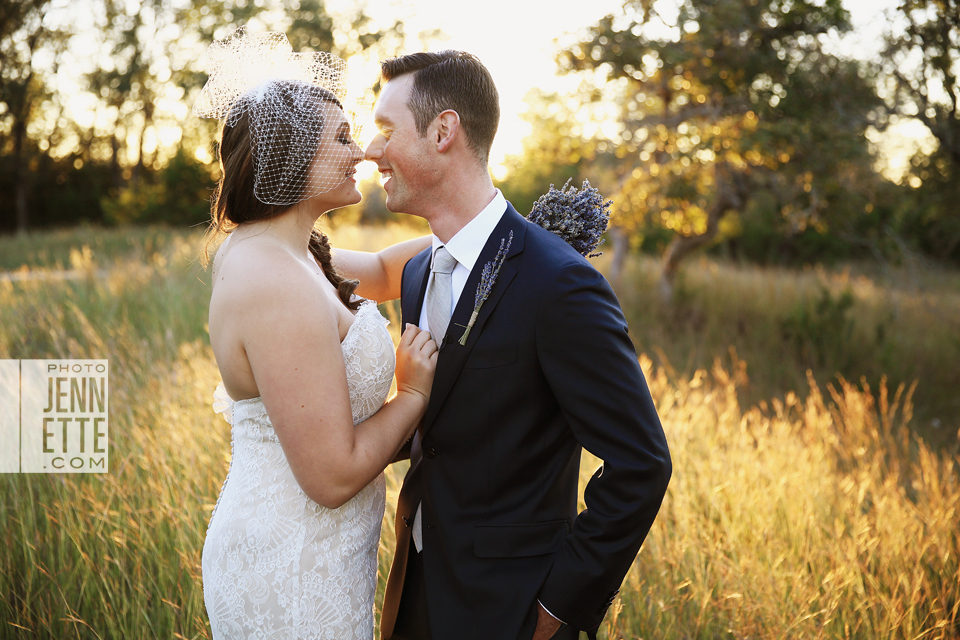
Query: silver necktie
[438,301]
[439,294]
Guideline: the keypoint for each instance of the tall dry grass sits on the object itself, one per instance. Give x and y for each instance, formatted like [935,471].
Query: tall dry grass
[818,515]
[816,518]
[861,320]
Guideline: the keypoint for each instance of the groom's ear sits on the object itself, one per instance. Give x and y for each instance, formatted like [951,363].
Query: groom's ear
[447,126]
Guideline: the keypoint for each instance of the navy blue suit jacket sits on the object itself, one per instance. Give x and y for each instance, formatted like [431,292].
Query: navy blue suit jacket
[547,368]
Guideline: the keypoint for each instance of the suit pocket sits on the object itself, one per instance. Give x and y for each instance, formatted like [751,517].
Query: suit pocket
[491,357]
[519,540]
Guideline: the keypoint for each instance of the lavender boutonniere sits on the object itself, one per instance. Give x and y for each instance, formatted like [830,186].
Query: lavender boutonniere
[487,279]
[579,216]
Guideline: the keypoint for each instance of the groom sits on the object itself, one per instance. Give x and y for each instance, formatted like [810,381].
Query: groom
[489,542]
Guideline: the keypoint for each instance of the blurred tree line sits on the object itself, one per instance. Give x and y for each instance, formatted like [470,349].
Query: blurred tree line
[728,125]
[723,125]
[118,144]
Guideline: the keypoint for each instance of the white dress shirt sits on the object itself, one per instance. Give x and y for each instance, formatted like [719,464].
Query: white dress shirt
[465,247]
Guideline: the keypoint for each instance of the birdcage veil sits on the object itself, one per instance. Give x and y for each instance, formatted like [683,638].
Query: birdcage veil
[287,100]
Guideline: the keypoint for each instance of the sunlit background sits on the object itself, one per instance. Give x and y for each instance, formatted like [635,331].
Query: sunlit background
[784,243]
[517,40]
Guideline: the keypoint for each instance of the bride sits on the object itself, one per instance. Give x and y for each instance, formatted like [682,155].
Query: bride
[291,550]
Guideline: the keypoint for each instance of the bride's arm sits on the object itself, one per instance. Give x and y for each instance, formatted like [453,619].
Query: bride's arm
[292,343]
[379,273]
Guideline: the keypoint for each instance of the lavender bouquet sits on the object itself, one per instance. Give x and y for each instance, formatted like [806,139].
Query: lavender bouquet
[578,216]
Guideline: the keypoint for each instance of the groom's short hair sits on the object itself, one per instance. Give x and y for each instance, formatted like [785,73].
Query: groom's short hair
[454,80]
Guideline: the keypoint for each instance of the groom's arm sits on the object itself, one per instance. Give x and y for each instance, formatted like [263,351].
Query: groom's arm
[408,306]
[379,272]
[591,366]
[404,453]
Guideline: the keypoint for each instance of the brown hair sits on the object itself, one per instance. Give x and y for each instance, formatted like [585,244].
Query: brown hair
[234,203]
[454,80]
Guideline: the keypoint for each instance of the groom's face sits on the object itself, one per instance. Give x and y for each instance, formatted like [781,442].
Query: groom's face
[402,156]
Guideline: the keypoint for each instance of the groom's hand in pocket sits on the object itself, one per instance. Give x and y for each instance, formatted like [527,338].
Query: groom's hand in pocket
[547,625]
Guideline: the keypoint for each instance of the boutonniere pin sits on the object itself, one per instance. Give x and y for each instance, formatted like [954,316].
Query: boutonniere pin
[579,216]
[487,279]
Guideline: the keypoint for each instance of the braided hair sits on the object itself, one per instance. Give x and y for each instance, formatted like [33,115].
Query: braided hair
[322,252]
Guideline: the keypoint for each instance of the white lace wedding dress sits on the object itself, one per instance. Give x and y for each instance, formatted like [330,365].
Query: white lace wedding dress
[276,565]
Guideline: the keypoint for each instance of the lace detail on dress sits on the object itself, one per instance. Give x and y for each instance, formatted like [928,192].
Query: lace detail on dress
[275,563]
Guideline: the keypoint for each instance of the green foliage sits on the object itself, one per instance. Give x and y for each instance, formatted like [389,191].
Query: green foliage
[821,334]
[55,250]
[757,236]
[24,38]
[152,50]
[529,182]
[930,214]
[55,192]
[887,221]
[551,155]
[739,101]
[76,200]
[178,195]
[921,59]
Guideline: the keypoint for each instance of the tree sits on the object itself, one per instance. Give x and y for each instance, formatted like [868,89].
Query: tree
[146,38]
[146,54]
[922,62]
[22,35]
[729,104]
[559,148]
[930,214]
[551,153]
[922,58]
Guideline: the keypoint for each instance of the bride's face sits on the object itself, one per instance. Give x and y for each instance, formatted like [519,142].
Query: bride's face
[334,166]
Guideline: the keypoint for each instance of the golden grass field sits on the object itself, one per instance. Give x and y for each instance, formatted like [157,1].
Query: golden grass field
[811,513]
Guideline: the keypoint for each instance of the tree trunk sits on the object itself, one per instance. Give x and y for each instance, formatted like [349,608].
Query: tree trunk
[679,248]
[140,167]
[116,173]
[20,177]
[727,199]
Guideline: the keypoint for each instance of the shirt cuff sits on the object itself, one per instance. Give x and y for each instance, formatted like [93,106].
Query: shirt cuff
[550,614]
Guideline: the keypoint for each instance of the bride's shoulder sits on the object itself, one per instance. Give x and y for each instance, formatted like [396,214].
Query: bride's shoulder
[258,272]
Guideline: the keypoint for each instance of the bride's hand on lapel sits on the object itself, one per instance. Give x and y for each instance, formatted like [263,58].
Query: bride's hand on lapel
[416,362]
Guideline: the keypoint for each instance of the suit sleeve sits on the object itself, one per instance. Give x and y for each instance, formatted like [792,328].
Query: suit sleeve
[591,366]
[406,290]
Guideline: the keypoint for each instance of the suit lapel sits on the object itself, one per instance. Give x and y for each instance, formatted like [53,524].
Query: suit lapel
[414,288]
[453,355]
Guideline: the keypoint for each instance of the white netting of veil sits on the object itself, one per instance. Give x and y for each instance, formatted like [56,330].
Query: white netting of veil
[295,106]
